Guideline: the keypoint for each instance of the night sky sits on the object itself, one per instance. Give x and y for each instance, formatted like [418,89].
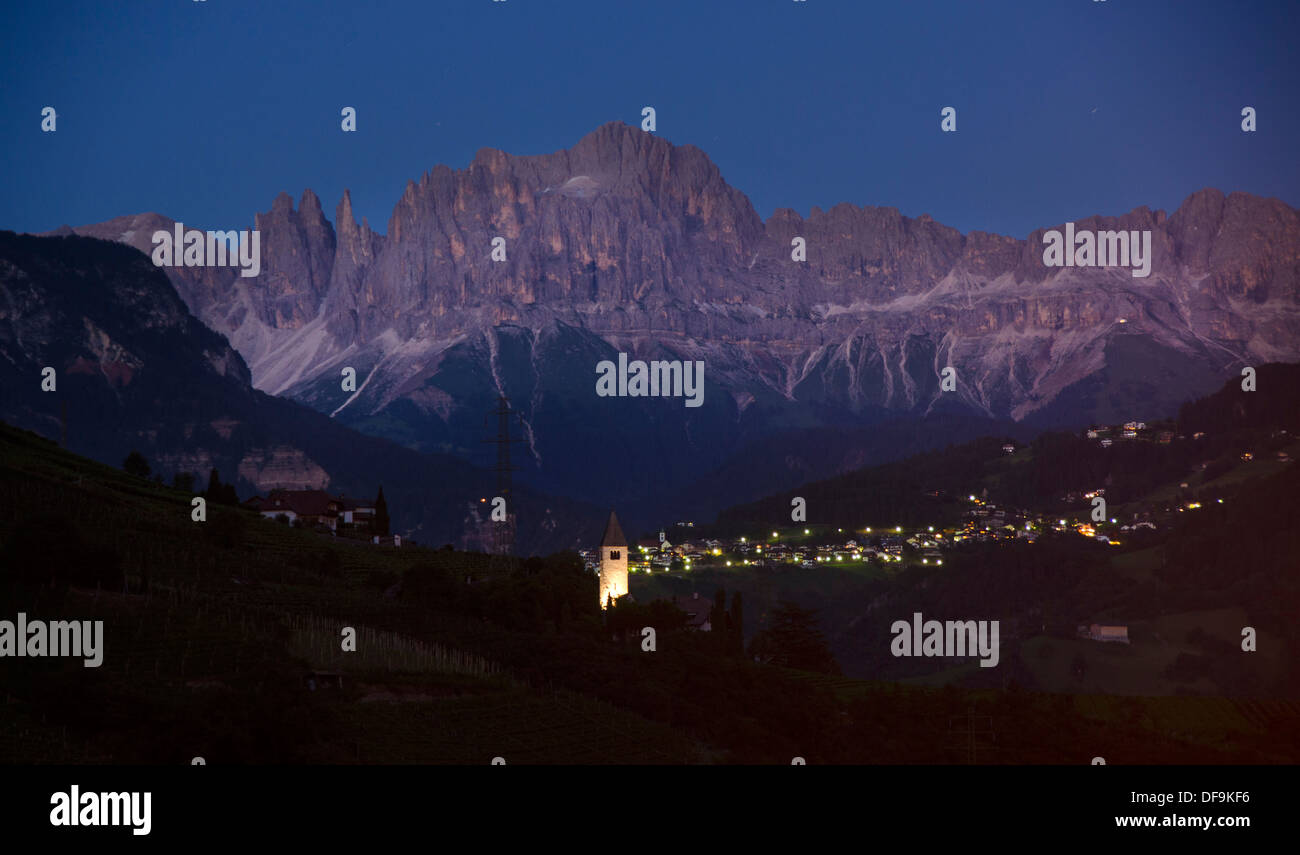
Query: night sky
[203,111]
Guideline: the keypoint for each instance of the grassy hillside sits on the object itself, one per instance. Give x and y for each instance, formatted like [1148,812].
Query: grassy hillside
[213,628]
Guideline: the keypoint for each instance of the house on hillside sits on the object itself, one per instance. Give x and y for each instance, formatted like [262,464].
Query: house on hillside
[697,611]
[1100,632]
[312,507]
[360,512]
[317,508]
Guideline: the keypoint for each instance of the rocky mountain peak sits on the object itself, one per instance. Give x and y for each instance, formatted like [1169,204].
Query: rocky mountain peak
[627,242]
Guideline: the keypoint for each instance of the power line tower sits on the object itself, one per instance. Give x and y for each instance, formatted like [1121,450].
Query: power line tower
[503,531]
[976,729]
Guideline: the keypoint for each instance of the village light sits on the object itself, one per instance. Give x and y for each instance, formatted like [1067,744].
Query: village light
[898,528]
[938,561]
[742,540]
[868,529]
[931,528]
[773,534]
[805,531]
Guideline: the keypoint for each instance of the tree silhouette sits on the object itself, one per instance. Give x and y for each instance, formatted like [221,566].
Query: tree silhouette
[219,493]
[736,621]
[381,522]
[136,465]
[718,615]
[793,640]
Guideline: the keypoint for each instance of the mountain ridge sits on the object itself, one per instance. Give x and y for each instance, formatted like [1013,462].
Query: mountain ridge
[627,242]
[134,370]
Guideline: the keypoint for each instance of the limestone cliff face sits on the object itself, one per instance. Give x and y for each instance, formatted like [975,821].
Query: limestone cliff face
[297,258]
[282,467]
[347,299]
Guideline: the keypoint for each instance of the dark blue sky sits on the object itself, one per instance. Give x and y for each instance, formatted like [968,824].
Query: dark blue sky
[203,111]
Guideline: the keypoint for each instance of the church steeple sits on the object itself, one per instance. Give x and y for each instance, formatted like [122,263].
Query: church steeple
[613,562]
[613,532]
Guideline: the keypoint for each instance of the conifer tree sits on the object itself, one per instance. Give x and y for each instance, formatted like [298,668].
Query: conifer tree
[737,625]
[381,514]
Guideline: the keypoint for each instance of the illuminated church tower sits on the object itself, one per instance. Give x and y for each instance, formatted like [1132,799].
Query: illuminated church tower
[613,562]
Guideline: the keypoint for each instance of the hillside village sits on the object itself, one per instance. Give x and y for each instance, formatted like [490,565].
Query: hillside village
[340,516]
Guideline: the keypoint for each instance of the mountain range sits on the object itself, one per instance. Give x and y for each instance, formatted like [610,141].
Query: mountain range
[627,243]
[133,370]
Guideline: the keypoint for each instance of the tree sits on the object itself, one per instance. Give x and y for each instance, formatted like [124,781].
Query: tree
[718,615]
[380,523]
[737,625]
[183,481]
[136,465]
[218,493]
[793,640]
